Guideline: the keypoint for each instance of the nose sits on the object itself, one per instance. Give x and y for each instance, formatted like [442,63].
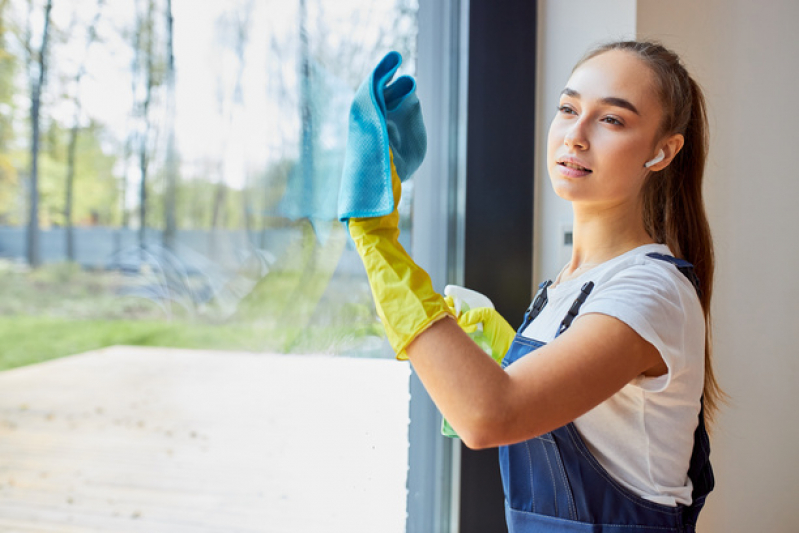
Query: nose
[576,138]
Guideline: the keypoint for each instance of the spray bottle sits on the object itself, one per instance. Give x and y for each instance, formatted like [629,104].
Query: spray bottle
[466,299]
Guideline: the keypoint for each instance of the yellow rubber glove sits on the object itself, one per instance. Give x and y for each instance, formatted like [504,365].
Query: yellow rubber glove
[496,329]
[403,292]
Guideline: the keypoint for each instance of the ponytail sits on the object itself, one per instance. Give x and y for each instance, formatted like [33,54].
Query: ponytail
[673,205]
[683,225]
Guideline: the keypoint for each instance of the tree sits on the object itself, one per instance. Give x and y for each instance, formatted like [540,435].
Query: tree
[171,170]
[37,79]
[232,33]
[147,77]
[306,114]
[91,36]
[8,67]
[7,70]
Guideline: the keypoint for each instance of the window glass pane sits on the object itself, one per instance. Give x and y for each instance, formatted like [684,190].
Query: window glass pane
[169,172]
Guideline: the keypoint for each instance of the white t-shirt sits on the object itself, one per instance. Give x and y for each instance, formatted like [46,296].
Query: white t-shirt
[644,434]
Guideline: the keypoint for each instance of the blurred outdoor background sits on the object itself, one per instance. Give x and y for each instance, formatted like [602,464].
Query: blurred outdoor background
[169,171]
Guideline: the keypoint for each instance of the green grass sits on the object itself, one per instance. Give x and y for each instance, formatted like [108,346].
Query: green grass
[32,339]
[298,307]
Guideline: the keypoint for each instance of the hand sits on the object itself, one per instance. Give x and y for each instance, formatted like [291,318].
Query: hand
[486,327]
[496,329]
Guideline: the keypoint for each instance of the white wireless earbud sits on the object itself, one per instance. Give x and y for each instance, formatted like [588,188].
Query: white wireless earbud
[658,158]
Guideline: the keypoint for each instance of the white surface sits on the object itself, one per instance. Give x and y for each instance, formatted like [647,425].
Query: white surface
[150,439]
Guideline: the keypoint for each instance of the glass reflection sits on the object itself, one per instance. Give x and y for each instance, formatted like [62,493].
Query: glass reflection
[186,156]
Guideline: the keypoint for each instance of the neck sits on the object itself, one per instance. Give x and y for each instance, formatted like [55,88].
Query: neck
[600,234]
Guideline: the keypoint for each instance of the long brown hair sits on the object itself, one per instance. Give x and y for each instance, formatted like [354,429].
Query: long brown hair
[673,207]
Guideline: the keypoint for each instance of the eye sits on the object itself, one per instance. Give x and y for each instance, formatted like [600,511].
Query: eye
[566,109]
[613,120]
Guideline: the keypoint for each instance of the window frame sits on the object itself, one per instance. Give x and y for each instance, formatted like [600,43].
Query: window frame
[466,49]
[438,224]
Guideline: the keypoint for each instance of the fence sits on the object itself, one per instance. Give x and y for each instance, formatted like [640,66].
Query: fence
[96,247]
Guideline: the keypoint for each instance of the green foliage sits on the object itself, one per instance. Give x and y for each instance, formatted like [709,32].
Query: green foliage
[33,339]
[264,195]
[9,191]
[8,70]
[195,203]
[96,189]
[196,194]
[56,273]
[296,292]
[60,309]
[64,290]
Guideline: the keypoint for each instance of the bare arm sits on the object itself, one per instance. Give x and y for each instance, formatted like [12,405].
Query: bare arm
[489,406]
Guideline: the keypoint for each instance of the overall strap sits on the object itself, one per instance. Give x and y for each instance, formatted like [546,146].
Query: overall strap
[685,268]
[700,470]
[574,310]
[536,305]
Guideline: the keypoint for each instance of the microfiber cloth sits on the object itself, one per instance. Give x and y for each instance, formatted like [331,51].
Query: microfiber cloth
[382,115]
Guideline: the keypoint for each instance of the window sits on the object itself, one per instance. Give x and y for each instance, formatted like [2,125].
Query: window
[182,161]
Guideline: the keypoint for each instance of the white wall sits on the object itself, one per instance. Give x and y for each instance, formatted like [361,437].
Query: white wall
[746,56]
[565,31]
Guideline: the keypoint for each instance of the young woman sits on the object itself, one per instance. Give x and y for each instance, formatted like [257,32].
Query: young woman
[599,406]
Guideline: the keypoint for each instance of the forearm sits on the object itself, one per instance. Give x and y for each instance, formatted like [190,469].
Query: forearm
[467,386]
[489,406]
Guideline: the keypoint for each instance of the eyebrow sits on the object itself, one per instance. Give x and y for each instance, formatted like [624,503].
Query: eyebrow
[608,100]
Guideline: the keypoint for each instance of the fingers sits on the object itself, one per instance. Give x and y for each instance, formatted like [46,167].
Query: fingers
[475,316]
[396,184]
[451,304]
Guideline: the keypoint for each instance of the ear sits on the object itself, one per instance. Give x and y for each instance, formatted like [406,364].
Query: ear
[671,146]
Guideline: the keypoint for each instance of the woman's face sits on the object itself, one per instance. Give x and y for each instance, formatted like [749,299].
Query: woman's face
[604,131]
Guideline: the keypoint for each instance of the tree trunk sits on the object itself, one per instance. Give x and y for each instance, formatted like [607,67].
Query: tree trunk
[72,148]
[73,140]
[145,113]
[124,184]
[220,194]
[34,258]
[306,114]
[143,183]
[130,142]
[170,194]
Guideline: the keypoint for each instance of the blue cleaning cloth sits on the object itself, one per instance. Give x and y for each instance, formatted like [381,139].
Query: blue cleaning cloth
[381,116]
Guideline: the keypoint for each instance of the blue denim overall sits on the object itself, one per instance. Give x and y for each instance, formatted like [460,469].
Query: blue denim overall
[553,483]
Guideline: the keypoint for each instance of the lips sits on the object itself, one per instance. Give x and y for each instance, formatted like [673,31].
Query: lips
[573,164]
[575,167]
[572,168]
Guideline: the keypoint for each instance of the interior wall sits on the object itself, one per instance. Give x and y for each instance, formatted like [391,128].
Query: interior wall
[566,30]
[744,54]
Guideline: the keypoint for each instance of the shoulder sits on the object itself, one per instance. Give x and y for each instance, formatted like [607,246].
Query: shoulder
[646,273]
[657,301]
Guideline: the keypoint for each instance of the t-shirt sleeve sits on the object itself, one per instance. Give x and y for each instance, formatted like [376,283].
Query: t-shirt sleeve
[659,304]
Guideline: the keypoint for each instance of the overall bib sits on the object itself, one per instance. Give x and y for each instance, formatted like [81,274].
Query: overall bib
[553,483]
